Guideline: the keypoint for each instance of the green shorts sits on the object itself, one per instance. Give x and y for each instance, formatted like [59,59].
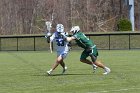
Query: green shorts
[87,53]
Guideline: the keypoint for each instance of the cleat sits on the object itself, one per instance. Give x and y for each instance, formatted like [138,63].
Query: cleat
[94,68]
[107,71]
[64,70]
[49,72]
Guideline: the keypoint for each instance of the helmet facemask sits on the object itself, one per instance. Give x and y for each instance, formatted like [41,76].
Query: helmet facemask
[60,28]
[75,29]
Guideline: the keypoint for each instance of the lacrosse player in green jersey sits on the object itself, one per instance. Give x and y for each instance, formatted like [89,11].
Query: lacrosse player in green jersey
[89,49]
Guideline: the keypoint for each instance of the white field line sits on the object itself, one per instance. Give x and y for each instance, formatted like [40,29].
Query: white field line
[106,91]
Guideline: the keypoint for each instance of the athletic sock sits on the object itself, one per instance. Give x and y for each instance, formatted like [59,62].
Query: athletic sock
[50,70]
[94,65]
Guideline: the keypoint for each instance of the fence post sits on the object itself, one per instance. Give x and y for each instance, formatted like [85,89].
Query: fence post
[34,44]
[17,43]
[109,42]
[129,42]
[0,44]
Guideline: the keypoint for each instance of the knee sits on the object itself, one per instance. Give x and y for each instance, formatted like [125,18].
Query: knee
[82,60]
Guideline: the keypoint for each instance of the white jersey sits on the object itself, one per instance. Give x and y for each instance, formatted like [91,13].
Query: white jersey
[61,44]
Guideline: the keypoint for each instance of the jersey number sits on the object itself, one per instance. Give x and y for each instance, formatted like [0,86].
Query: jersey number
[60,42]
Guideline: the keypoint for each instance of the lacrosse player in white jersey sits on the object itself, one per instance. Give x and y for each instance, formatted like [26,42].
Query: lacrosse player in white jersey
[61,46]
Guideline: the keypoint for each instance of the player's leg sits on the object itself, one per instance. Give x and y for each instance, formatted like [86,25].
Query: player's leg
[63,66]
[98,63]
[63,55]
[90,63]
[60,57]
[84,59]
[58,61]
[106,69]
[62,63]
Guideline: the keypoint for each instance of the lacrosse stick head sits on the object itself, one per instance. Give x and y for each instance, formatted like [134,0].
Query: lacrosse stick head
[49,25]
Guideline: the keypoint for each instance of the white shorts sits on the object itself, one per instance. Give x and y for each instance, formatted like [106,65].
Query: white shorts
[63,54]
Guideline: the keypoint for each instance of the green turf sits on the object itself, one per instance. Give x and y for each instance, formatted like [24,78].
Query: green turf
[24,72]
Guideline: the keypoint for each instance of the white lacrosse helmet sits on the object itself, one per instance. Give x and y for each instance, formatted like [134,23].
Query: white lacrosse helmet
[60,28]
[75,29]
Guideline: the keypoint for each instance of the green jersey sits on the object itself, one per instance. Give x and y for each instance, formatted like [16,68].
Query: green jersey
[83,41]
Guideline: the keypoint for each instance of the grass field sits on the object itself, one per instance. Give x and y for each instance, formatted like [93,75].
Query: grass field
[24,72]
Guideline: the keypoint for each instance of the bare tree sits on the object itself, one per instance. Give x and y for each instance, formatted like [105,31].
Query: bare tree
[29,16]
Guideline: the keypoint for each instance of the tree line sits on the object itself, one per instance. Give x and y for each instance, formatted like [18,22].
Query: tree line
[29,16]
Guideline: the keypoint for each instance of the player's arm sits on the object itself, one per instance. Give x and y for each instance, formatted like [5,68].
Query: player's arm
[50,42]
[70,38]
[50,39]
[51,47]
[47,36]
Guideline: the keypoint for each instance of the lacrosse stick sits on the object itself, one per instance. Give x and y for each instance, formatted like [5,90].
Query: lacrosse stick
[49,26]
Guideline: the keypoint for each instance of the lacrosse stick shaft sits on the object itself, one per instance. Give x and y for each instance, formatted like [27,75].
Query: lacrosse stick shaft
[49,26]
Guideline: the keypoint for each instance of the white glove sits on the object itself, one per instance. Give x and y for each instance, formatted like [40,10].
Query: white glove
[47,35]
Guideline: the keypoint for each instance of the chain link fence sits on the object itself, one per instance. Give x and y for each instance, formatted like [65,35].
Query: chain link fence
[104,41]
